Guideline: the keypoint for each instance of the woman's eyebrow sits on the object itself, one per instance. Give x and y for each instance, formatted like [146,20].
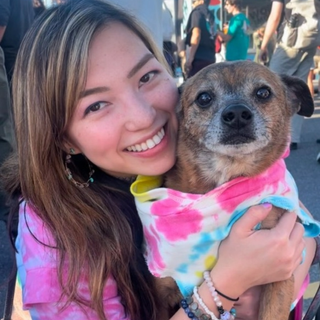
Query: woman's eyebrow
[140,64]
[88,92]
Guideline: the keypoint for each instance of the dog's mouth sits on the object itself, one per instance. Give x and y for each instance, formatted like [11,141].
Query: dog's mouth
[237,139]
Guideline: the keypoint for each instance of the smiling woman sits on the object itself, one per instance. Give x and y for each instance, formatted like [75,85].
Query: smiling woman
[94,107]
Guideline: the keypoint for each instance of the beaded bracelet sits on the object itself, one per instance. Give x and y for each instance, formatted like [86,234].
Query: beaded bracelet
[203,305]
[206,274]
[192,310]
[224,315]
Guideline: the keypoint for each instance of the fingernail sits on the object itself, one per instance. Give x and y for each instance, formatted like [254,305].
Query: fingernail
[267,205]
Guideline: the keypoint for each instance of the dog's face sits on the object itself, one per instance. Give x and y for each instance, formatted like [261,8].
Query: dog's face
[238,111]
[239,108]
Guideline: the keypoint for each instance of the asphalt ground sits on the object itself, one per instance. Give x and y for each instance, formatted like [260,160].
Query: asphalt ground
[301,163]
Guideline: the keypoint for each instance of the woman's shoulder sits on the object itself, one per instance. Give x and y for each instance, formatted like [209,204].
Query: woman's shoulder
[33,234]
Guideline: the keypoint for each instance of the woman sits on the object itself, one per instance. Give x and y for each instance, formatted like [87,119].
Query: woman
[98,109]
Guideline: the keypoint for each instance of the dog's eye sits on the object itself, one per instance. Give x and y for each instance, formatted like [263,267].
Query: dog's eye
[263,93]
[204,100]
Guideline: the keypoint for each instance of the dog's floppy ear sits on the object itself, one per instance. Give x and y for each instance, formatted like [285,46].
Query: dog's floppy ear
[179,107]
[299,95]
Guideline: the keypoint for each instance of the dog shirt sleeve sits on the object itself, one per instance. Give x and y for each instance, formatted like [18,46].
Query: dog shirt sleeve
[37,274]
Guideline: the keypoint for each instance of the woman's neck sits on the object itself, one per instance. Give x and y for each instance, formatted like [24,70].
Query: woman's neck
[235,11]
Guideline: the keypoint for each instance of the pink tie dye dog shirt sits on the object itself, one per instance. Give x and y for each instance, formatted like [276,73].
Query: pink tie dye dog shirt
[183,231]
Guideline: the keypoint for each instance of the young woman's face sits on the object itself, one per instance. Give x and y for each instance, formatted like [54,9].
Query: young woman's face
[125,122]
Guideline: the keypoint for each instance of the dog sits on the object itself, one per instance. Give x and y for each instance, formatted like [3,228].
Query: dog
[234,128]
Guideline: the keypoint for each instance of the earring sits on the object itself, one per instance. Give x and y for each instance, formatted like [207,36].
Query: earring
[69,174]
[72,151]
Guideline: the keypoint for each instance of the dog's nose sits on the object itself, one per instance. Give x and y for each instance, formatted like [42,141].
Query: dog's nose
[237,116]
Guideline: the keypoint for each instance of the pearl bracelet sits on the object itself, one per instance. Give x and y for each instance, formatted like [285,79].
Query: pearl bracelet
[224,315]
[203,305]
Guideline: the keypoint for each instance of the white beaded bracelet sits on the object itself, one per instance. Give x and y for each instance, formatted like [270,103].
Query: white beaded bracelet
[223,313]
[203,305]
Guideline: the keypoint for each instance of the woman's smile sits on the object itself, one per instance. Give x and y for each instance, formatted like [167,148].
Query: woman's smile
[148,144]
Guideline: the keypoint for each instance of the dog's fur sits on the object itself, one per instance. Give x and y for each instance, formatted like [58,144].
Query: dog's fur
[234,120]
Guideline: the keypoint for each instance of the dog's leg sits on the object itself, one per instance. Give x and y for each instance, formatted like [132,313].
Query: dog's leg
[276,300]
[169,296]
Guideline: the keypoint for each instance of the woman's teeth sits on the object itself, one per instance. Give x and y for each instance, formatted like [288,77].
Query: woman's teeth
[149,144]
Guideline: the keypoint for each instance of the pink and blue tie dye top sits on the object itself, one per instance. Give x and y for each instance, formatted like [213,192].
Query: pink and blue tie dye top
[183,231]
[37,274]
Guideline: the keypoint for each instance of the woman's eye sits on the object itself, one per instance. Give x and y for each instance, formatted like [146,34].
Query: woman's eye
[95,107]
[147,77]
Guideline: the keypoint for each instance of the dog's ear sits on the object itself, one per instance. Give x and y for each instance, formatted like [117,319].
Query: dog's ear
[299,95]
[179,107]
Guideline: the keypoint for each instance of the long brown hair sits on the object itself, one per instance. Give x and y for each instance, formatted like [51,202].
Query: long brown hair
[87,224]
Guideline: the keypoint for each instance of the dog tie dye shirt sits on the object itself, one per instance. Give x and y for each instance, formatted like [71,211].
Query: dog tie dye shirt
[183,231]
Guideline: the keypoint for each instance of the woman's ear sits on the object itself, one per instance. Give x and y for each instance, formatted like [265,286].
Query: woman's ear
[69,148]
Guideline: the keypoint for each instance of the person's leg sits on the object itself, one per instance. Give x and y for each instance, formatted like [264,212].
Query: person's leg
[6,127]
[296,128]
[303,70]
[297,63]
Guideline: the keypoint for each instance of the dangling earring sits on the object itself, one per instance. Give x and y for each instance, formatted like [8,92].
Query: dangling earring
[69,174]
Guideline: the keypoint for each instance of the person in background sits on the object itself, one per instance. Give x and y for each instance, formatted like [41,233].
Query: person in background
[200,39]
[237,37]
[16,16]
[6,129]
[39,7]
[94,106]
[169,47]
[314,72]
[285,59]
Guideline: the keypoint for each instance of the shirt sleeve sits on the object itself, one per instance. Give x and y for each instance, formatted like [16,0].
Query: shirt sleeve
[196,20]
[4,12]
[234,26]
[37,273]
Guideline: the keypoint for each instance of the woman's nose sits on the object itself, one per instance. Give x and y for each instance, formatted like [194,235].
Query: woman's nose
[140,113]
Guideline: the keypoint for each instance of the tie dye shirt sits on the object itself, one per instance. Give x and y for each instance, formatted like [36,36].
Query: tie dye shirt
[37,274]
[183,231]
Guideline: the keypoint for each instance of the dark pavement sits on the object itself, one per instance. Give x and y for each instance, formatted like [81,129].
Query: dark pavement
[301,163]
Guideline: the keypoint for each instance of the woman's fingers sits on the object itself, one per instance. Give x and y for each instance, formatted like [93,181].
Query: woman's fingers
[252,218]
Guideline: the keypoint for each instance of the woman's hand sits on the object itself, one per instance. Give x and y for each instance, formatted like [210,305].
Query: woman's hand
[248,258]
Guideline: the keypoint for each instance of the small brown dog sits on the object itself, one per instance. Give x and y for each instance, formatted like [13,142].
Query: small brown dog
[234,120]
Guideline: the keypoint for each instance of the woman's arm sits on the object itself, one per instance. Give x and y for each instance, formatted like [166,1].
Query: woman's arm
[38,275]
[248,306]
[249,258]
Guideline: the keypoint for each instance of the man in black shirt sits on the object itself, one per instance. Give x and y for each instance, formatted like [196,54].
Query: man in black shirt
[200,38]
